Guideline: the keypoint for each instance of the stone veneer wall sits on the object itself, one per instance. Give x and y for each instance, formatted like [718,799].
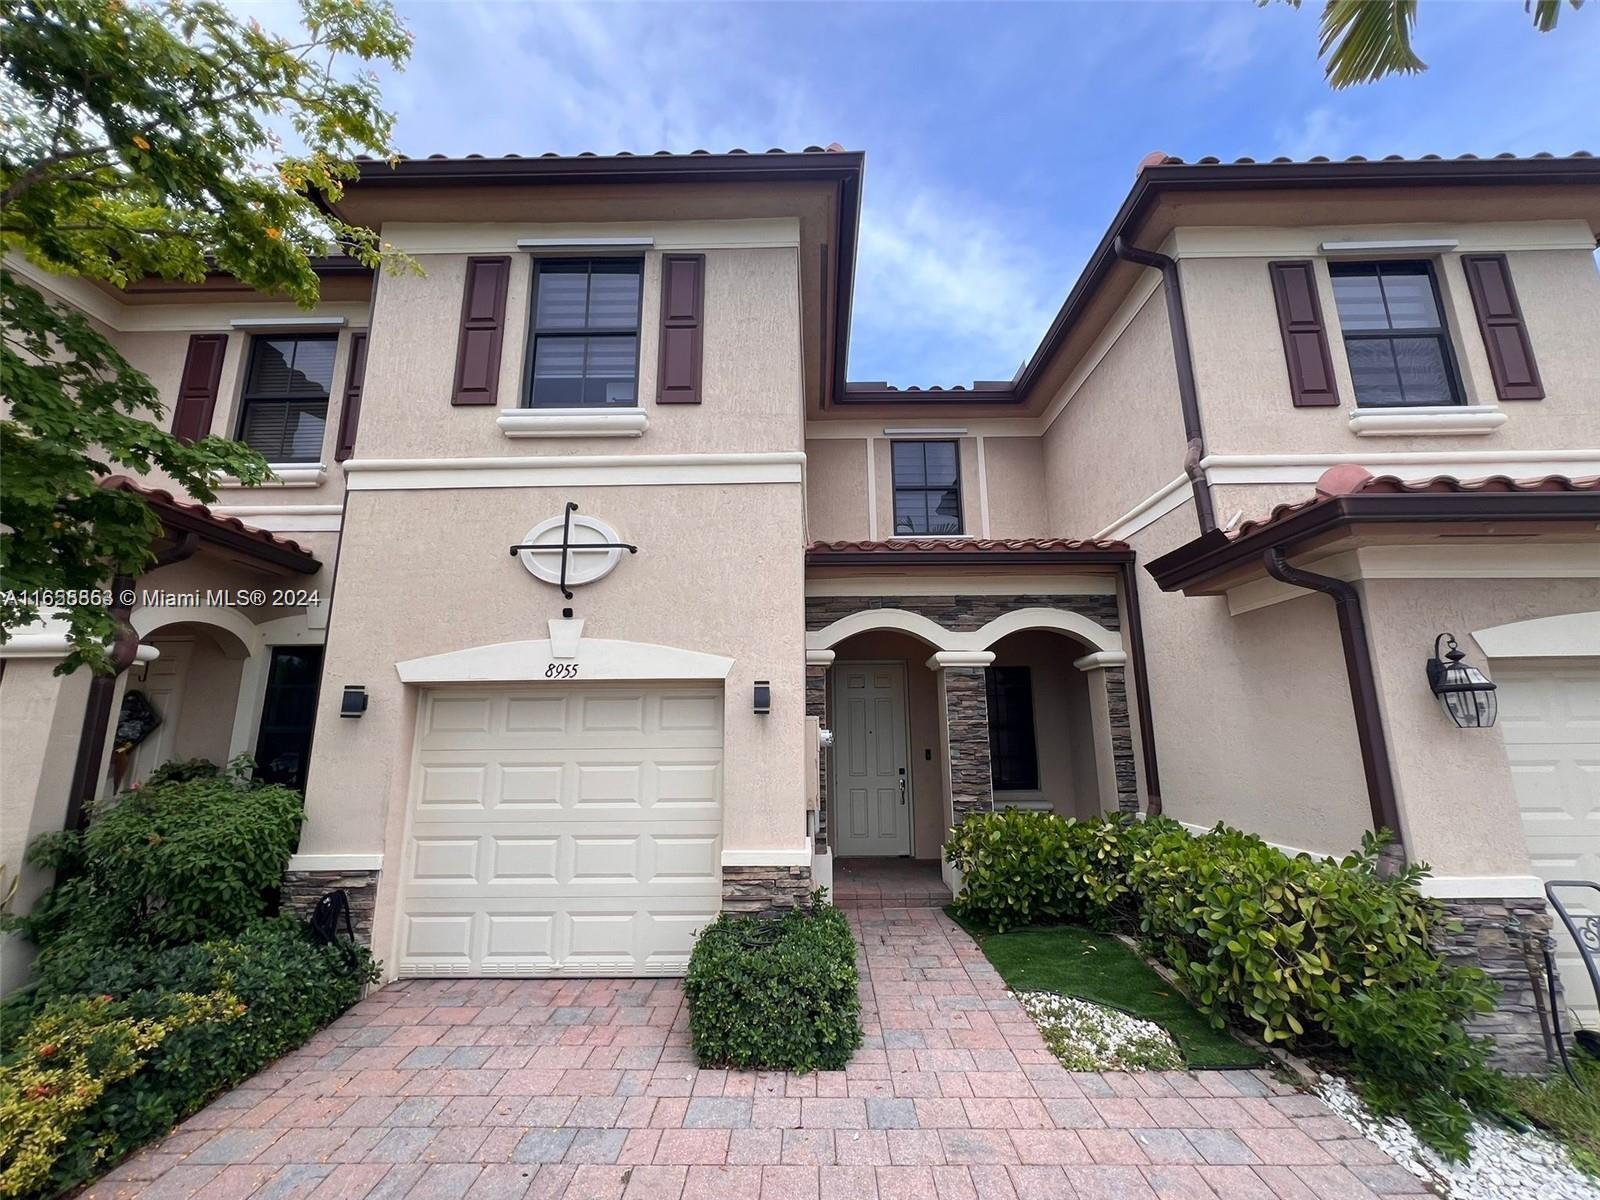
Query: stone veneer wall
[817,706]
[765,891]
[302,889]
[1122,740]
[963,614]
[1505,938]
[966,709]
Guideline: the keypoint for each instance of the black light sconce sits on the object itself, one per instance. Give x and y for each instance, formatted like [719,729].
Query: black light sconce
[354,703]
[763,704]
[1465,693]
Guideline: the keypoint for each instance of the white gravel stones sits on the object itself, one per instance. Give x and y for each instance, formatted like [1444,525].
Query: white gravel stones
[1504,1165]
[1092,1037]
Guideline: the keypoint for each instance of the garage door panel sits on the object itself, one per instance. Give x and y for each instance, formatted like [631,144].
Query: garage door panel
[563,832]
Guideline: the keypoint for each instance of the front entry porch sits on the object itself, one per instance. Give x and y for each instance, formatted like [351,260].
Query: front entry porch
[872,884]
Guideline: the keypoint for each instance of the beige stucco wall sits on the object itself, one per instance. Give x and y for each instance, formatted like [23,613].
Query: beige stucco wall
[751,371]
[1456,798]
[836,489]
[1252,713]
[41,718]
[1243,382]
[1119,437]
[210,696]
[929,801]
[1014,470]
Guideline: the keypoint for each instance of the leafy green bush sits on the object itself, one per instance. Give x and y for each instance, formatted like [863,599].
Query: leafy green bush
[1326,955]
[780,994]
[169,863]
[182,770]
[223,1009]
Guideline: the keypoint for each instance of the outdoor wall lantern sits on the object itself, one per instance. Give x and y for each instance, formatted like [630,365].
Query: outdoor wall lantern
[354,703]
[763,704]
[1465,693]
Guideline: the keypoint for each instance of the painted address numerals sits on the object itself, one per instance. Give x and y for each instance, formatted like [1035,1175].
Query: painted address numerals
[561,671]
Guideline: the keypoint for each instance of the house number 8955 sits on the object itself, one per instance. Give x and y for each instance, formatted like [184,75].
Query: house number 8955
[561,671]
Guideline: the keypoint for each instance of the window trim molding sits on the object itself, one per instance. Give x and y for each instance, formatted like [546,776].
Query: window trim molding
[536,259]
[1443,333]
[895,487]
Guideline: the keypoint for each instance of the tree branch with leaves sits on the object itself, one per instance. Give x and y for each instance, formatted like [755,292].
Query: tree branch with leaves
[168,141]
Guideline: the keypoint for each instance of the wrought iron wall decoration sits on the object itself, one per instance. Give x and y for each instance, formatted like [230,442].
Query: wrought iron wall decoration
[591,542]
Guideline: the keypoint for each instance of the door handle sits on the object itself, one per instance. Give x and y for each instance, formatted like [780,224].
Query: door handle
[902,785]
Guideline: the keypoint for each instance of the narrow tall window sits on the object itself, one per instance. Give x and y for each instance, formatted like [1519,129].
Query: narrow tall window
[1394,334]
[283,746]
[285,404]
[584,351]
[1013,751]
[927,487]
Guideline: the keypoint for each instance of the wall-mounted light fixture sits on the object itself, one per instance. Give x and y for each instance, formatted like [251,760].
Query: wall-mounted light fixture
[763,702]
[354,703]
[1465,693]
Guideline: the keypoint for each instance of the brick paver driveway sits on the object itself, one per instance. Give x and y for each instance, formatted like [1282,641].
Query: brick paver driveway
[505,1089]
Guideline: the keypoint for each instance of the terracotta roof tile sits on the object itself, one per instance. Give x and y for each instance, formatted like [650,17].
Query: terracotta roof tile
[159,500]
[1348,479]
[956,547]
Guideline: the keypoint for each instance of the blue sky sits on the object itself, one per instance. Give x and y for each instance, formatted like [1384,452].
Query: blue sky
[1000,138]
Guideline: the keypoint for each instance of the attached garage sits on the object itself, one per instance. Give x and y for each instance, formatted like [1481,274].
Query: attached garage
[561,830]
[1550,717]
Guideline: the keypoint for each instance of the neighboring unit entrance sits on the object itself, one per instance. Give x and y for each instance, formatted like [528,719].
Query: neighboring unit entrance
[562,831]
[1550,718]
[872,805]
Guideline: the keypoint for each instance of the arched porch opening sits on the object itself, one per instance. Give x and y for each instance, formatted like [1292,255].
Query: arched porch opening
[193,687]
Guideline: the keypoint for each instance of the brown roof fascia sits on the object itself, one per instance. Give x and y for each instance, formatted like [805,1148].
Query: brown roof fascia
[209,530]
[986,559]
[1211,555]
[1154,181]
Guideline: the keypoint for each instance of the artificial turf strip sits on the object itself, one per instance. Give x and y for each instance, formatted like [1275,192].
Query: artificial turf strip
[1078,962]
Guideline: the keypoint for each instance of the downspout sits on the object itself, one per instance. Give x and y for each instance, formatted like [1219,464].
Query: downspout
[1183,360]
[97,708]
[1374,742]
[1141,689]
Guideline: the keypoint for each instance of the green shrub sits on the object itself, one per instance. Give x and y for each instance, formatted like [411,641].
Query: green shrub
[780,994]
[279,988]
[182,770]
[169,863]
[1326,955]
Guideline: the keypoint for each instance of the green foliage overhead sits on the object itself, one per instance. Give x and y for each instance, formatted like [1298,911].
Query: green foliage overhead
[1327,956]
[141,140]
[170,863]
[1363,41]
[779,994]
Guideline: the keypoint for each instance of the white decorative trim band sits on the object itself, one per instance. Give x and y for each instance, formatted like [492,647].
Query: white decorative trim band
[1467,464]
[1481,887]
[286,475]
[585,243]
[1437,245]
[767,858]
[335,862]
[258,323]
[1100,660]
[1444,420]
[819,658]
[531,662]
[1150,510]
[285,518]
[589,470]
[913,431]
[1569,635]
[572,422]
[960,658]
[55,645]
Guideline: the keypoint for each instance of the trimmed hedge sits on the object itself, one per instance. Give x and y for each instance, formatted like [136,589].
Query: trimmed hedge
[780,994]
[1324,954]
[154,1035]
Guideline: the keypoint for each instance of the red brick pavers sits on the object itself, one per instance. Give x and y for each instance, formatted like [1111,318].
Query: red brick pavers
[587,1090]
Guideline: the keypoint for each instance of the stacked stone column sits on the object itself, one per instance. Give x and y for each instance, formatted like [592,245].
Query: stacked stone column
[963,690]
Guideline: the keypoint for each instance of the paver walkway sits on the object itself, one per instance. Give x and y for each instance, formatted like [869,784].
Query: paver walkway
[532,1089]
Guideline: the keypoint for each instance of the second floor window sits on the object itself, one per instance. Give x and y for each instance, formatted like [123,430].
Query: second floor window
[284,409]
[927,487]
[1394,334]
[584,350]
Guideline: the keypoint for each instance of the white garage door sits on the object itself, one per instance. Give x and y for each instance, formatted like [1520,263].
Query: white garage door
[562,831]
[1550,714]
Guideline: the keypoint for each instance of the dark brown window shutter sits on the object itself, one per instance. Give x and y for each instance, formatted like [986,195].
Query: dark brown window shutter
[683,301]
[1305,337]
[483,320]
[350,411]
[1505,337]
[197,389]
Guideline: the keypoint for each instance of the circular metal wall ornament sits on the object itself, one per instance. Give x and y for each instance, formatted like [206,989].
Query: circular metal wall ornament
[570,550]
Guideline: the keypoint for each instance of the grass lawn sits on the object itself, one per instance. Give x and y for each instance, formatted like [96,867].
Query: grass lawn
[1567,1111]
[1074,961]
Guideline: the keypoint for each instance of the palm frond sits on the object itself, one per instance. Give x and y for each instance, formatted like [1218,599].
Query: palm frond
[1364,40]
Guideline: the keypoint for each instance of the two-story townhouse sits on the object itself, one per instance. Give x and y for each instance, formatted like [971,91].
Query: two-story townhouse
[615,534]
